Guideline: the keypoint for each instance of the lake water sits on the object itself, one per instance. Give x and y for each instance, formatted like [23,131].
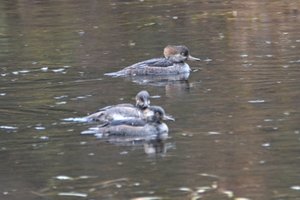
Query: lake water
[237,131]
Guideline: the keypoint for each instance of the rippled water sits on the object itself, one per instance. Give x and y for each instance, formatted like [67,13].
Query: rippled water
[237,131]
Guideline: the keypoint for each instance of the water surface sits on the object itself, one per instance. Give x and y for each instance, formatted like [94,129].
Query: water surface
[236,134]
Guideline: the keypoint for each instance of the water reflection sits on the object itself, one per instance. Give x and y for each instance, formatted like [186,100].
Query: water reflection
[152,144]
[157,146]
[159,80]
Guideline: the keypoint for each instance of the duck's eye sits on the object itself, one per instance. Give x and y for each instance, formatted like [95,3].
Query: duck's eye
[185,53]
[157,114]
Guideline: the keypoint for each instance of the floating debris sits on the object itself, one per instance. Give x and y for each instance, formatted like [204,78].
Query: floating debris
[221,36]
[136,184]
[61,97]
[76,119]
[81,97]
[262,162]
[185,189]
[80,32]
[68,178]
[72,194]
[209,175]
[294,61]
[86,177]
[58,70]
[44,69]
[266,145]
[295,187]
[207,60]
[131,43]
[286,113]
[187,134]
[9,127]
[62,177]
[20,72]
[257,101]
[213,133]
[268,120]
[147,25]
[39,128]
[44,137]
[241,198]
[247,65]
[203,189]
[268,42]
[61,102]
[147,198]
[228,193]
[124,153]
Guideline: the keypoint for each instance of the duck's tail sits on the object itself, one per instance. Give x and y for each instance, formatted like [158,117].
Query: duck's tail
[94,117]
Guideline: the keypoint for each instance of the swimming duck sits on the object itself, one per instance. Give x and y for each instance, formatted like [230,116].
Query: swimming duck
[123,111]
[152,127]
[172,63]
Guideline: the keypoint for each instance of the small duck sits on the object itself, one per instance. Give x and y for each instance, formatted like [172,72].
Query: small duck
[124,111]
[152,127]
[172,63]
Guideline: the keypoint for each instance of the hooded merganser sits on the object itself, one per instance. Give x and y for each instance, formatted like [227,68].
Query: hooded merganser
[173,62]
[123,111]
[152,127]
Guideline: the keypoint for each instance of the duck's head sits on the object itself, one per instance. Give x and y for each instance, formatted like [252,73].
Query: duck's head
[158,115]
[178,53]
[142,99]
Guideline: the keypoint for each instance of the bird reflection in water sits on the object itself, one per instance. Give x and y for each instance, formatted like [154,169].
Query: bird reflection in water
[150,145]
[176,84]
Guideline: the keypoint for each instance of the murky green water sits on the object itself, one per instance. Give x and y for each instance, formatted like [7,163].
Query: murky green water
[237,131]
